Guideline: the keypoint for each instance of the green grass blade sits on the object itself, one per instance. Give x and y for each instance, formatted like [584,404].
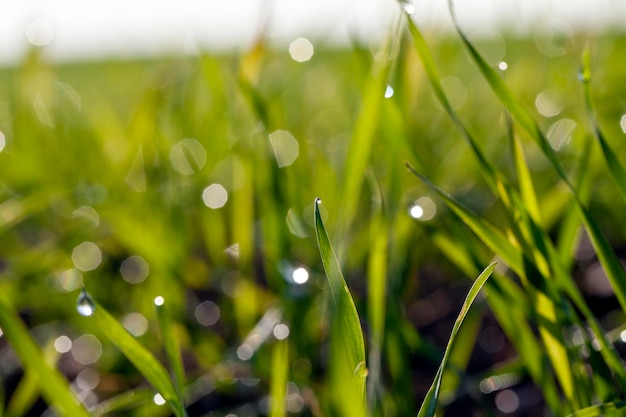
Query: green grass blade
[524,178]
[143,360]
[54,387]
[280,375]
[376,303]
[612,266]
[599,410]
[172,348]
[126,400]
[428,61]
[429,405]
[511,101]
[24,396]
[344,313]
[543,303]
[509,305]
[616,169]
[495,240]
[364,130]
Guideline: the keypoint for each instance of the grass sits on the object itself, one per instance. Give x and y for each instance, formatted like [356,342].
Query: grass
[176,178]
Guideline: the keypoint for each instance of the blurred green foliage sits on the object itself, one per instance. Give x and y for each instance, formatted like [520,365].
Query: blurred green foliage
[122,154]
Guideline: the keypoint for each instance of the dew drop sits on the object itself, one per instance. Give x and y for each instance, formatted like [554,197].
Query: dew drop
[408,7]
[318,201]
[502,65]
[583,75]
[84,304]
[389,92]
[158,399]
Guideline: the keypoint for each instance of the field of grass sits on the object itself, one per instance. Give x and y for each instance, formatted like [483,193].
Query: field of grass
[175,201]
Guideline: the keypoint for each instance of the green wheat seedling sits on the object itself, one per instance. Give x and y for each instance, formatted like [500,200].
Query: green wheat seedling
[348,332]
[526,248]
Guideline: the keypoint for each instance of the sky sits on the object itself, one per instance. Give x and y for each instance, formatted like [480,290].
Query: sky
[85,30]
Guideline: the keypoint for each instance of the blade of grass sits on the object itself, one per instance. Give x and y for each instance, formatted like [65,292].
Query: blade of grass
[344,313]
[540,291]
[600,410]
[172,348]
[492,237]
[360,146]
[428,61]
[510,308]
[612,266]
[612,161]
[126,400]
[376,303]
[54,387]
[280,375]
[429,405]
[139,356]
[527,190]
[24,396]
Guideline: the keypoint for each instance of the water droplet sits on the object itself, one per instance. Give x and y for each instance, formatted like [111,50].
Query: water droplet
[318,201]
[503,66]
[408,7]
[389,92]
[583,76]
[159,301]
[84,304]
[158,399]
[361,370]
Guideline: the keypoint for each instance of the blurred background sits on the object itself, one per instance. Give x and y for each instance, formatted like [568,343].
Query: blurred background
[175,149]
[77,30]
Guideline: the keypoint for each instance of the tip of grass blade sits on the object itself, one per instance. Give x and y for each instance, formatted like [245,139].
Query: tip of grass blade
[429,405]
[584,72]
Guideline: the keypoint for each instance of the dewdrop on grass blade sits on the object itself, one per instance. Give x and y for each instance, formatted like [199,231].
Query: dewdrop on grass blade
[408,7]
[84,304]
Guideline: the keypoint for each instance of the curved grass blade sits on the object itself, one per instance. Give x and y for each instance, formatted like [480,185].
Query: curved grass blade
[599,410]
[172,348]
[54,387]
[24,396]
[429,405]
[611,264]
[512,102]
[344,314]
[540,292]
[143,360]
[492,237]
